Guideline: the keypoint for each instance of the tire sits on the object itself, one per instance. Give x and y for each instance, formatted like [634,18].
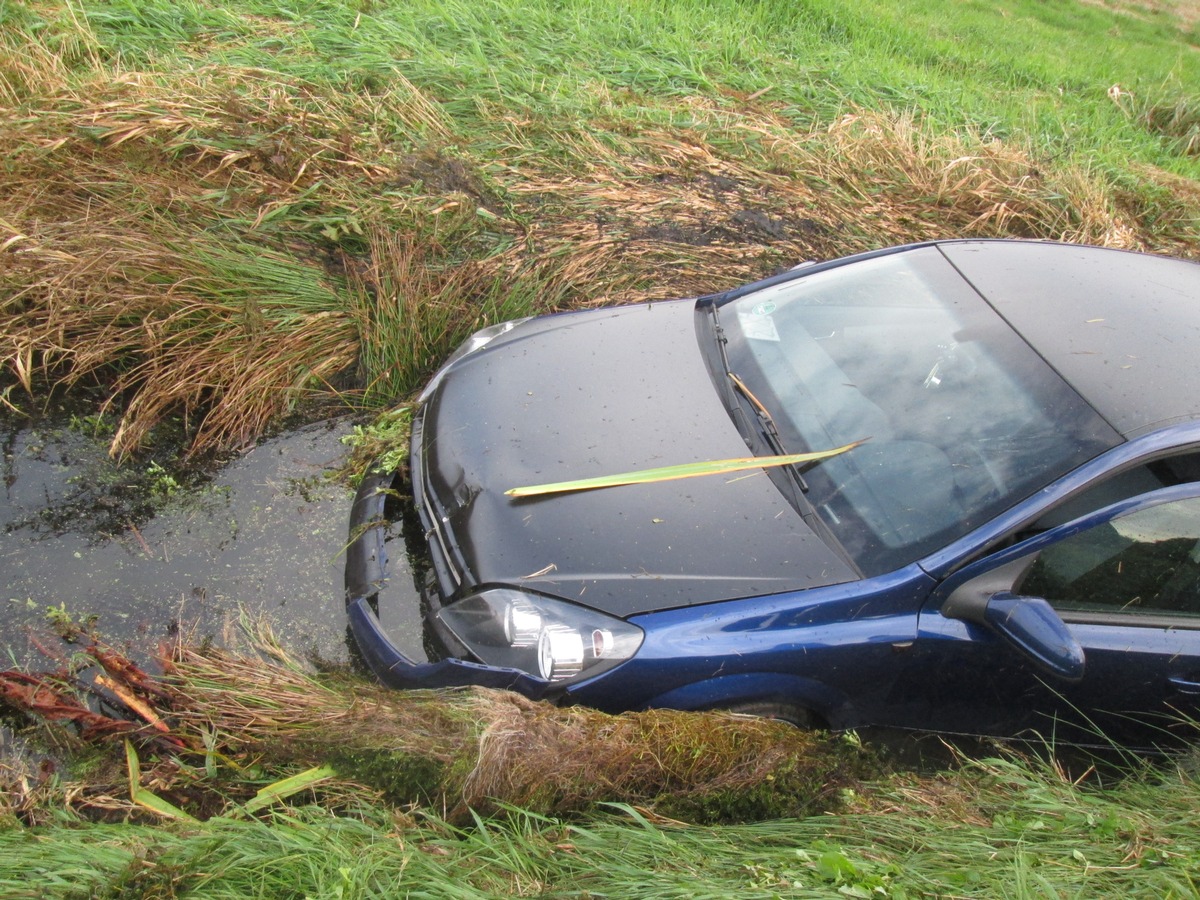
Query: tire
[773,709]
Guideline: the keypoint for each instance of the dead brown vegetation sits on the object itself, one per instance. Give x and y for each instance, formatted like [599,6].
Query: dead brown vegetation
[495,748]
[455,751]
[1185,12]
[671,215]
[143,241]
[221,243]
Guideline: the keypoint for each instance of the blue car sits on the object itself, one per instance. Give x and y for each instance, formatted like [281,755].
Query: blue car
[993,526]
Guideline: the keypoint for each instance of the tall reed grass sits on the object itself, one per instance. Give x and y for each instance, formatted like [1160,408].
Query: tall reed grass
[217,211]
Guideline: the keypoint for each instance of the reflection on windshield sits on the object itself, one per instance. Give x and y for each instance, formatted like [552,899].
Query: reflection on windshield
[964,418]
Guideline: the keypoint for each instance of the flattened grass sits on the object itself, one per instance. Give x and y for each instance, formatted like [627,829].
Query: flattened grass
[218,209]
[223,734]
[480,750]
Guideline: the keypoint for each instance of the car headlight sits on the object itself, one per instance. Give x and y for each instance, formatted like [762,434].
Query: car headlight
[539,634]
[477,341]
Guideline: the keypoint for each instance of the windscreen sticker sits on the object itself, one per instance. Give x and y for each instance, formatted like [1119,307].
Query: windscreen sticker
[757,324]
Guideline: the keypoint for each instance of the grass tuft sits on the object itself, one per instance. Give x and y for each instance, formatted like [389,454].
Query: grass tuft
[221,730]
[1179,122]
[483,750]
[229,334]
[1169,112]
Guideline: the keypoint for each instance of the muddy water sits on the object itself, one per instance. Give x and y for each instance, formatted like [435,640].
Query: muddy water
[147,554]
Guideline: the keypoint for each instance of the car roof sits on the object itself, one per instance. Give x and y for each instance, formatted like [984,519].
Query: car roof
[1123,329]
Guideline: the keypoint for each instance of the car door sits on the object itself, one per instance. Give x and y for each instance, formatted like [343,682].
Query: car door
[1089,631]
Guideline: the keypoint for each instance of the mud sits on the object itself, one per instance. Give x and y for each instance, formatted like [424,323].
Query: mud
[437,173]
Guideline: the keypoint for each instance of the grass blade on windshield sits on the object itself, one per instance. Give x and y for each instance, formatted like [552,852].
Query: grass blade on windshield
[686,470]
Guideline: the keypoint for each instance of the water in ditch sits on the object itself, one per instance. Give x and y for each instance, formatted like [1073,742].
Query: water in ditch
[149,552]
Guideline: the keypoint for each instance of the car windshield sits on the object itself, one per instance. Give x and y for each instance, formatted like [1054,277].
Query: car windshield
[963,417]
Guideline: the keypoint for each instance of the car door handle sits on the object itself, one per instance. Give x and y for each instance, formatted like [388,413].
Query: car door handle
[1185,684]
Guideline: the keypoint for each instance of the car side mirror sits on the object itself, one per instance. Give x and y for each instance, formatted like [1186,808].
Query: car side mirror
[1033,627]
[1030,624]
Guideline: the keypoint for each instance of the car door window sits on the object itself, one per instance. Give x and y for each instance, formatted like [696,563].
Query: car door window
[1146,562]
[1171,470]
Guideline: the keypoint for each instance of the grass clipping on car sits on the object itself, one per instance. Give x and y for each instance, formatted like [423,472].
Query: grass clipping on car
[685,470]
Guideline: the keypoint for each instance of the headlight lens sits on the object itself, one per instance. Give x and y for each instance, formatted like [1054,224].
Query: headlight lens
[560,653]
[522,624]
[541,635]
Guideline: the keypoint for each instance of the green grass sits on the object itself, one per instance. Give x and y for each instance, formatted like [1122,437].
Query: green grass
[274,782]
[1011,68]
[997,828]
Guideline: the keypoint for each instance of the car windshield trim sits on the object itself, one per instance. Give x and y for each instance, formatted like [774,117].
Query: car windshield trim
[964,417]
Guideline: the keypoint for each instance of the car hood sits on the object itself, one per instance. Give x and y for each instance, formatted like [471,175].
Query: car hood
[599,393]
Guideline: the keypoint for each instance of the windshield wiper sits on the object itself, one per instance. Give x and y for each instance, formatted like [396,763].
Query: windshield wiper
[770,434]
[767,424]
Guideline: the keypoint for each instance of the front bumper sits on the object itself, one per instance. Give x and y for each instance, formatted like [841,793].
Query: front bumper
[366,575]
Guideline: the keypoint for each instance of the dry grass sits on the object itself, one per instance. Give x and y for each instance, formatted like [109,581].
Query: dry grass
[217,243]
[141,242]
[1185,12]
[679,215]
[32,69]
[918,185]
[229,333]
[414,297]
[489,749]
[219,724]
